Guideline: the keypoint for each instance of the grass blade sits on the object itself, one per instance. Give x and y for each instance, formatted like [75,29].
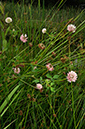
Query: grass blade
[6,101]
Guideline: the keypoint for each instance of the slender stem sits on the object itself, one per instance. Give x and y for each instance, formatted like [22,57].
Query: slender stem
[69,54]
[73,107]
[69,50]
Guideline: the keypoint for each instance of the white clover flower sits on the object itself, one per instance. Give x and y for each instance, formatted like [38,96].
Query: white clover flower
[16,70]
[71,76]
[44,30]
[71,28]
[39,86]
[8,20]
[13,29]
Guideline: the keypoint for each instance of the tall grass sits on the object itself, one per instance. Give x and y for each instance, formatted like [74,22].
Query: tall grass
[60,104]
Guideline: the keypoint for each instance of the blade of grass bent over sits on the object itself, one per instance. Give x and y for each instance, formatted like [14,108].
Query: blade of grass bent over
[10,103]
[8,98]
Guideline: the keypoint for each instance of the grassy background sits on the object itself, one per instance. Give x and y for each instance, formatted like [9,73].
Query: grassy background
[60,105]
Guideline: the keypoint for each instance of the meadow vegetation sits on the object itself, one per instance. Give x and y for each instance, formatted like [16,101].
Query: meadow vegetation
[42,66]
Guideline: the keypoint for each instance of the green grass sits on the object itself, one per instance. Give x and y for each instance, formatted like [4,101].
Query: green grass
[60,104]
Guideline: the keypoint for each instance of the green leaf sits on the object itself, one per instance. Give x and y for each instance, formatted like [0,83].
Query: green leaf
[7,30]
[4,45]
[2,25]
[41,78]
[48,76]
[36,81]
[52,84]
[55,76]
[6,101]
[10,124]
[52,89]
[10,103]
[1,8]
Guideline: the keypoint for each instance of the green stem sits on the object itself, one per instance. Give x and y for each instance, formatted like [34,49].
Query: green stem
[69,48]
[73,107]
[69,55]
[69,51]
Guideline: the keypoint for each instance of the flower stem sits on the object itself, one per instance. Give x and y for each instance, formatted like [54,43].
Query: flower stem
[73,107]
[69,50]
[69,55]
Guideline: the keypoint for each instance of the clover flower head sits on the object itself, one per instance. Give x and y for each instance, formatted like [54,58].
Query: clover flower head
[30,44]
[41,46]
[71,76]
[8,20]
[23,38]
[16,70]
[13,29]
[53,53]
[49,67]
[39,86]
[44,30]
[71,28]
